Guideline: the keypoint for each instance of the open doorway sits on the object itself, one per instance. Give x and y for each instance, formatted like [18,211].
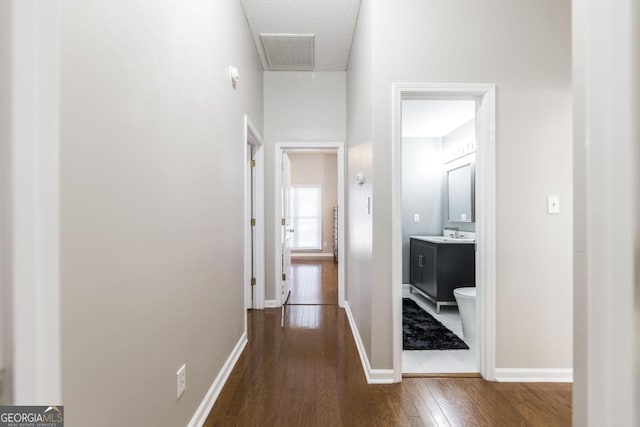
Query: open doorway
[309,223]
[438,236]
[443,229]
[313,209]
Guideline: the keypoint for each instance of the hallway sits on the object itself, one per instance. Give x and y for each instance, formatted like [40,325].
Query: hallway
[309,373]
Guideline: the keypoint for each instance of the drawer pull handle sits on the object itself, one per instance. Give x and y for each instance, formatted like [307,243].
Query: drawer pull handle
[420,258]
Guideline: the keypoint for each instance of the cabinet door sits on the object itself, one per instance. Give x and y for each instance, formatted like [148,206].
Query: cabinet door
[415,263]
[456,269]
[429,281]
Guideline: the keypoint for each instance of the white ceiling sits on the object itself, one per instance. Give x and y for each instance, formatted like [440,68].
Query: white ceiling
[331,21]
[434,119]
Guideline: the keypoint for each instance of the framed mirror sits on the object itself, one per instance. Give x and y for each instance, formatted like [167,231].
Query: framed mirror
[461,193]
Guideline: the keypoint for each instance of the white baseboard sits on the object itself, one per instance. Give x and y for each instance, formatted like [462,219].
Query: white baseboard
[374,376]
[534,375]
[311,255]
[271,303]
[203,410]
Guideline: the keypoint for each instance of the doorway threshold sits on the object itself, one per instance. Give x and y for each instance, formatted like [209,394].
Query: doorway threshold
[443,375]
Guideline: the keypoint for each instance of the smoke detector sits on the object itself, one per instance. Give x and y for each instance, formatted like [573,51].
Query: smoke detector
[288,52]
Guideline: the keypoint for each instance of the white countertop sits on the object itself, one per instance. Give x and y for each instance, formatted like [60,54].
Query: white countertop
[442,239]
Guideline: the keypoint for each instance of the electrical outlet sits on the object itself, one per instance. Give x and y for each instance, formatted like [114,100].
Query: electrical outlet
[181,380]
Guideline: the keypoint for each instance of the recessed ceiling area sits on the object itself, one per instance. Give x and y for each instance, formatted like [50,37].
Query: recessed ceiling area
[434,118]
[330,22]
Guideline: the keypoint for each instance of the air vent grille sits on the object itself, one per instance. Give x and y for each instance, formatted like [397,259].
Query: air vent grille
[288,51]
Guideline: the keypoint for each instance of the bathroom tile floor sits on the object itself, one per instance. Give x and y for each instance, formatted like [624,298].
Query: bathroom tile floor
[439,361]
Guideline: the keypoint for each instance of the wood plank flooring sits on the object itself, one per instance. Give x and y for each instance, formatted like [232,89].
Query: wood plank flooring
[308,373]
[314,282]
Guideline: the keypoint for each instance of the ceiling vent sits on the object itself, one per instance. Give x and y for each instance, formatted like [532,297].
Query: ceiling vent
[288,52]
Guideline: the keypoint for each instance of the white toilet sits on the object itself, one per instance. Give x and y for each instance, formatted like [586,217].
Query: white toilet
[466,299]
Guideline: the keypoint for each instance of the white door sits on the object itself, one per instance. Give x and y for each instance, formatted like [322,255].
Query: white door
[286,228]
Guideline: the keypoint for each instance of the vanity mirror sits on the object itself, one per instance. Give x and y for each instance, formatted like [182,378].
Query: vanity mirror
[461,193]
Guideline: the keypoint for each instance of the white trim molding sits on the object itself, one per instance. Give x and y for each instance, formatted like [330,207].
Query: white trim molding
[374,376]
[534,375]
[31,207]
[271,303]
[201,414]
[253,138]
[312,145]
[484,95]
[606,191]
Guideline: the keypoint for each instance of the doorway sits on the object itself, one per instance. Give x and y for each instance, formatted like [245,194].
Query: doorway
[309,223]
[472,230]
[438,236]
[312,211]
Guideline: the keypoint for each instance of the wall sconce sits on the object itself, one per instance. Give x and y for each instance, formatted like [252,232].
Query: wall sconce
[234,75]
[360,178]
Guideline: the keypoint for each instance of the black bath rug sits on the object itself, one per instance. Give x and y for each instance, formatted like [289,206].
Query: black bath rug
[421,331]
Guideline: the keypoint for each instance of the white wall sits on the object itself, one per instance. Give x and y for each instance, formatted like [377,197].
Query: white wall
[422,192]
[319,169]
[152,143]
[298,106]
[524,48]
[359,245]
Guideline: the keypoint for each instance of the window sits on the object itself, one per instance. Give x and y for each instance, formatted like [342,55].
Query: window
[306,216]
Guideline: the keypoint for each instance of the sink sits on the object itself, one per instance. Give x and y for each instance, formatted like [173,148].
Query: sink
[442,239]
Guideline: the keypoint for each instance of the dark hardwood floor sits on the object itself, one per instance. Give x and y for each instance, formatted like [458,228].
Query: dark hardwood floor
[314,282]
[308,373]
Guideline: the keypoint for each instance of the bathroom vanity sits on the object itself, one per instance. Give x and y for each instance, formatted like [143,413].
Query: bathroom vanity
[439,264]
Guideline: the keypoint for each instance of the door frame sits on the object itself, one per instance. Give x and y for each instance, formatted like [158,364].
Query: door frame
[312,145]
[252,137]
[484,94]
[30,253]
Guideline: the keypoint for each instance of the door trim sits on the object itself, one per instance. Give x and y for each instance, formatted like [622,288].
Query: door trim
[485,212]
[318,145]
[31,254]
[252,137]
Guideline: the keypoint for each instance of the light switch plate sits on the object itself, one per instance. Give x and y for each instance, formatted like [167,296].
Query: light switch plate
[553,205]
[416,217]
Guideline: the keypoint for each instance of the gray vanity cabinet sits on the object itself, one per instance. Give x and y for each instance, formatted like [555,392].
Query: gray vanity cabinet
[437,268]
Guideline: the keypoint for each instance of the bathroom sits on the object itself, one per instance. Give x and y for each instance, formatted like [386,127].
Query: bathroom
[438,236]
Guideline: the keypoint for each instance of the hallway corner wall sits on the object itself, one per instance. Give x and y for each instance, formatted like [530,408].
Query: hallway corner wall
[525,49]
[359,239]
